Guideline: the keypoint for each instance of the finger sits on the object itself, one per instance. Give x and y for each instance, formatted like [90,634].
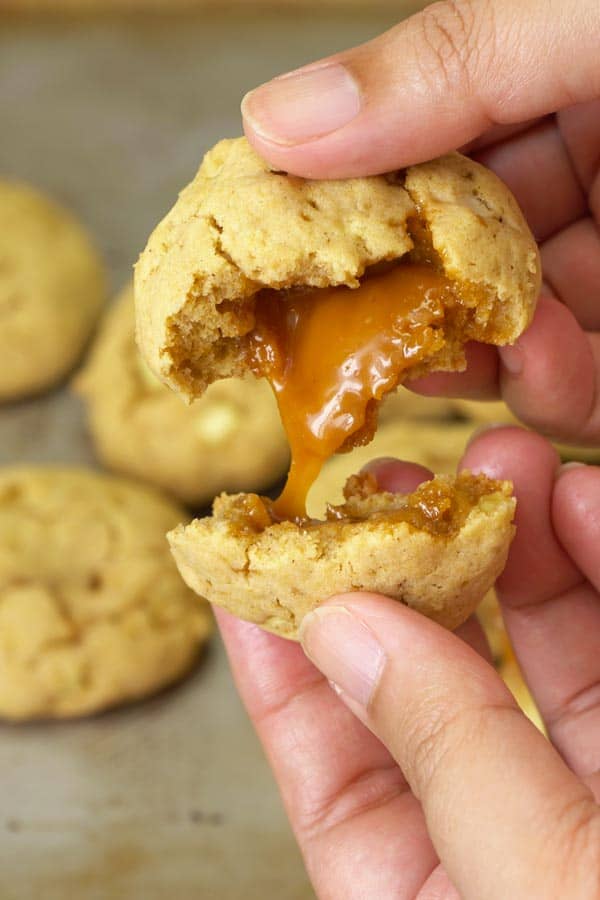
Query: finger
[554,360]
[537,168]
[551,612]
[432,83]
[497,134]
[480,380]
[580,129]
[574,715]
[361,831]
[571,263]
[537,568]
[395,476]
[483,773]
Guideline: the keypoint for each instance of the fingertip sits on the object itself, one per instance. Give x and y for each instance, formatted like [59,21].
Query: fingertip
[577,494]
[547,376]
[396,476]
[510,452]
[479,380]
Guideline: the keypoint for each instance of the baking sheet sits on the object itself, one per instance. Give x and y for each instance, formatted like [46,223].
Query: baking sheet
[170,798]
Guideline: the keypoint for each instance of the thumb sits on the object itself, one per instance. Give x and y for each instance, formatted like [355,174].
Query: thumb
[505,814]
[432,83]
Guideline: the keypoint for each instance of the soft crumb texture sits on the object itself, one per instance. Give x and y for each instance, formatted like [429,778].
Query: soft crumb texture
[231,439]
[52,286]
[93,612]
[240,227]
[276,575]
[436,445]
[481,237]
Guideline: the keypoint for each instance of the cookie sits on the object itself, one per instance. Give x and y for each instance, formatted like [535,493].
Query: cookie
[241,227]
[93,612]
[438,550]
[336,291]
[52,286]
[436,445]
[230,439]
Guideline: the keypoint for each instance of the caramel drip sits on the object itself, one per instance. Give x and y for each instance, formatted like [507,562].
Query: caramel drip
[331,353]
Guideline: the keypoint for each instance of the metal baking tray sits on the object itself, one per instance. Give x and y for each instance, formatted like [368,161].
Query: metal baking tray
[172,797]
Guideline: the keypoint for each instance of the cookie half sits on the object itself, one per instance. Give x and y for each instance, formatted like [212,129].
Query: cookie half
[52,286]
[240,228]
[438,550]
[231,439]
[93,612]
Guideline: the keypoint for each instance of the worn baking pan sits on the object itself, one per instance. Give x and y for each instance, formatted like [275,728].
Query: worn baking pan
[171,797]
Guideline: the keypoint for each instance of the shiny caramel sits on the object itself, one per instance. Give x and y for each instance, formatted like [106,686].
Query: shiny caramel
[331,354]
[439,507]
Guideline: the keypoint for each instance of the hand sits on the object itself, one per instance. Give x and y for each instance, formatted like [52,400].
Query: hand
[518,83]
[422,779]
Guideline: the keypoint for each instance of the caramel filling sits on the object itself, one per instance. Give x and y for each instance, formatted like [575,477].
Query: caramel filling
[331,354]
[440,506]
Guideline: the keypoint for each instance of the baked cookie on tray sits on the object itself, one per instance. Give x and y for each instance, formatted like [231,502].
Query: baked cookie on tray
[337,292]
[52,286]
[229,440]
[93,612]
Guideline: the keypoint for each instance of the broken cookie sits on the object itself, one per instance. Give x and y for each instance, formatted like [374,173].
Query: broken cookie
[336,292]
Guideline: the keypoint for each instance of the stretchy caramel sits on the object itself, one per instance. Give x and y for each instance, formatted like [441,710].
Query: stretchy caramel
[331,354]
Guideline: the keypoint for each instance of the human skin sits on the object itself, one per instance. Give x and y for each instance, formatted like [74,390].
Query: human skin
[416,775]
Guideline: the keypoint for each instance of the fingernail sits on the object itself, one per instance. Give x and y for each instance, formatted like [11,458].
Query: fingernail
[512,358]
[345,650]
[303,105]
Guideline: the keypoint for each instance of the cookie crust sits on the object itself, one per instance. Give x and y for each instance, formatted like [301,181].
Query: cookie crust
[275,575]
[240,227]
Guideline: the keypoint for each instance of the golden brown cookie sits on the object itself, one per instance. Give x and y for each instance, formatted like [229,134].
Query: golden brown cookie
[52,286]
[438,550]
[240,227]
[231,439]
[224,286]
[93,612]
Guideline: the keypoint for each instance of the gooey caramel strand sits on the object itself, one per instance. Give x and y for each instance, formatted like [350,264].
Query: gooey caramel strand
[330,353]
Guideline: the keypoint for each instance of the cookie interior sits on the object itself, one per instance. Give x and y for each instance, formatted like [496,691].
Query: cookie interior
[439,507]
[388,280]
[332,354]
